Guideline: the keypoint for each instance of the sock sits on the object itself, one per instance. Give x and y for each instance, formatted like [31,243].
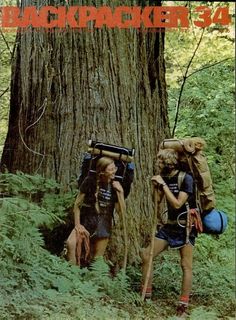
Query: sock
[148,291]
[184,300]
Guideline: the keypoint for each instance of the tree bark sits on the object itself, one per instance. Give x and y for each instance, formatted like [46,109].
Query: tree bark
[68,87]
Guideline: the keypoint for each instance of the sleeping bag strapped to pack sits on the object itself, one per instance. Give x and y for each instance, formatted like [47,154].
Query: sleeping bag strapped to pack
[123,158]
[193,161]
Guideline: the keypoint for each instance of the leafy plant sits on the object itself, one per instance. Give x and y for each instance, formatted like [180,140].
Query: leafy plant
[34,282]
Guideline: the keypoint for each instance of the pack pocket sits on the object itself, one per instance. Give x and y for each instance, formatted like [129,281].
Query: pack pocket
[207,200]
[200,162]
[205,181]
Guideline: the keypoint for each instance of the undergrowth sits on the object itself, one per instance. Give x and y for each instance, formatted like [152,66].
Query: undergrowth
[38,285]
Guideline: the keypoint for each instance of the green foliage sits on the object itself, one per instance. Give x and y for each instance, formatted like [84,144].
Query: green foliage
[207,102]
[206,110]
[210,103]
[213,273]
[37,285]
[34,282]
[21,182]
[119,287]
[203,313]
[7,41]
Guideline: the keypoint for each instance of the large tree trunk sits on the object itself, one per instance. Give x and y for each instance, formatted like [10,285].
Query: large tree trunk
[71,86]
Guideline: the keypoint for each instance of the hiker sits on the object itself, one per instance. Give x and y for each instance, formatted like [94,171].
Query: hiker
[173,234]
[93,211]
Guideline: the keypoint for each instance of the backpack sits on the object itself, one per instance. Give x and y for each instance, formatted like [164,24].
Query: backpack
[122,157]
[193,161]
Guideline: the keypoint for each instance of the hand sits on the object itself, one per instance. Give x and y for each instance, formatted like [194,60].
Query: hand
[117,186]
[196,220]
[158,180]
[81,230]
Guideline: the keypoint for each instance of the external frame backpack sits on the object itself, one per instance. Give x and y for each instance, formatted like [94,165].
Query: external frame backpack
[123,158]
[193,161]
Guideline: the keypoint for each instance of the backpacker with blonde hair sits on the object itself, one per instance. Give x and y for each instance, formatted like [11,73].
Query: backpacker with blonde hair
[192,160]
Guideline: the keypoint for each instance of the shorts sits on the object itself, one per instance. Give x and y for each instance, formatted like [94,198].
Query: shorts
[99,226]
[175,236]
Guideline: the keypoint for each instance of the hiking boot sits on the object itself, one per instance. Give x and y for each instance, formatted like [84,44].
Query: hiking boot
[181,310]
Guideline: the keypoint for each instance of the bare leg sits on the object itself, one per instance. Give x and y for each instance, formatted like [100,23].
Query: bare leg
[159,246]
[186,254]
[100,247]
[71,247]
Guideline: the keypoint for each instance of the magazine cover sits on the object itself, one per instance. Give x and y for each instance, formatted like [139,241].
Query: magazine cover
[117,159]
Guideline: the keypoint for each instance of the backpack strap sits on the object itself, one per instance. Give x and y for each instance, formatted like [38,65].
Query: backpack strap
[163,216]
[181,177]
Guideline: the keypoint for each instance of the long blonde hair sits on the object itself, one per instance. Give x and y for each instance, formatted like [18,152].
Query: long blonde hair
[101,166]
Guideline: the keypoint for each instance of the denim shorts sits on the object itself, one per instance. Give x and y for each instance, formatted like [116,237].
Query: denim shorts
[175,236]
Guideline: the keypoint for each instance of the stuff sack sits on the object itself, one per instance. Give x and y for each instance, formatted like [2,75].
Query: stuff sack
[214,222]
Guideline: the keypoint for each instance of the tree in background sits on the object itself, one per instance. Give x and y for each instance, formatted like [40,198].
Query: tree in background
[36,284]
[200,81]
[70,86]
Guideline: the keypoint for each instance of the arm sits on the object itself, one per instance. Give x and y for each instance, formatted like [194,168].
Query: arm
[78,202]
[176,203]
[120,205]
[159,207]
[121,208]
[158,194]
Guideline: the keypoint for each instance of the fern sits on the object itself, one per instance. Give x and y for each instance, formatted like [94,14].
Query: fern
[25,183]
[203,313]
[37,285]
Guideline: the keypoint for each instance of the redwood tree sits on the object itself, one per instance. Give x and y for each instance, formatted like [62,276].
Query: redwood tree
[68,87]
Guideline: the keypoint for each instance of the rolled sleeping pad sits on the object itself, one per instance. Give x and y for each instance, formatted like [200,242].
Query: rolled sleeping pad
[179,145]
[113,155]
[110,147]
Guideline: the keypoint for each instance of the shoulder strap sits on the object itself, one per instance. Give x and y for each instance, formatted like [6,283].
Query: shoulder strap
[181,177]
